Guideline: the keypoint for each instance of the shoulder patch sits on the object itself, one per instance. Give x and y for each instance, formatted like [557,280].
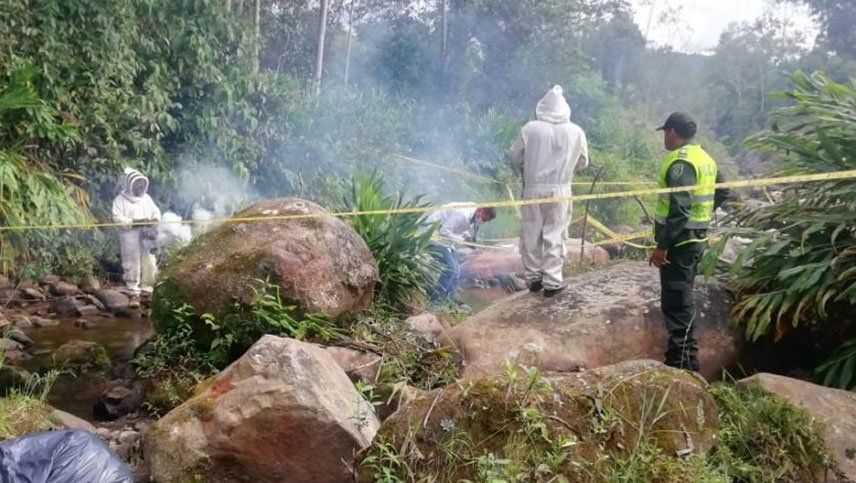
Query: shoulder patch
[677,170]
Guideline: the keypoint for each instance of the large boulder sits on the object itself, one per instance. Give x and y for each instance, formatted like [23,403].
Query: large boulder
[322,264]
[604,316]
[833,408]
[585,416]
[285,411]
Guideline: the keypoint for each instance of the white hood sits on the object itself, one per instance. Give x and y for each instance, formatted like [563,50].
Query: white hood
[553,107]
[129,176]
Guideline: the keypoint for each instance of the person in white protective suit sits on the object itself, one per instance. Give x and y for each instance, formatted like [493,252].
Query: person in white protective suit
[455,226]
[548,151]
[137,243]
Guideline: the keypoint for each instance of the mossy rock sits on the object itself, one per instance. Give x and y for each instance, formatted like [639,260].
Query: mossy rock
[587,418]
[321,264]
[82,353]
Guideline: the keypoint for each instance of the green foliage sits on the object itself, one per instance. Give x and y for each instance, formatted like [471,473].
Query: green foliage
[23,409]
[407,356]
[32,191]
[800,268]
[763,438]
[398,243]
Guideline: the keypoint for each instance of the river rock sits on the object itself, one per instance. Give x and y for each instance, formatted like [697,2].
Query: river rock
[322,264]
[116,402]
[93,300]
[67,306]
[61,289]
[598,412]
[22,322]
[49,279]
[70,421]
[90,285]
[81,353]
[603,317]
[359,366]
[833,408]
[19,337]
[43,322]
[284,411]
[113,300]
[33,293]
[87,310]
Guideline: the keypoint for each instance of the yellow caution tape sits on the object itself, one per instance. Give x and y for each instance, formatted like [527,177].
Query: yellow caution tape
[806,178]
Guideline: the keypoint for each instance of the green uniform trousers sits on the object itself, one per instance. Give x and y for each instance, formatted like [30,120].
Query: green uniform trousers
[676,300]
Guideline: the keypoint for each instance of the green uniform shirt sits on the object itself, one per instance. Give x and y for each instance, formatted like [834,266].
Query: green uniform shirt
[682,173]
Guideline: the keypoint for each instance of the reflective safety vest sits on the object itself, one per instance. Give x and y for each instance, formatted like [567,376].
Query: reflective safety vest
[701,210]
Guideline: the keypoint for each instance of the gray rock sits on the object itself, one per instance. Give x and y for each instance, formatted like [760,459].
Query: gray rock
[113,300]
[70,421]
[67,306]
[23,322]
[90,285]
[33,293]
[50,279]
[43,322]
[87,310]
[63,289]
[93,300]
[19,337]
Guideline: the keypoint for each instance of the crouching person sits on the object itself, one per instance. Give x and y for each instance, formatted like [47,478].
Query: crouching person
[137,243]
[455,225]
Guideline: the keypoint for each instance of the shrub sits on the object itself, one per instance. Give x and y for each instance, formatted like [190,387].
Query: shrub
[398,242]
[800,268]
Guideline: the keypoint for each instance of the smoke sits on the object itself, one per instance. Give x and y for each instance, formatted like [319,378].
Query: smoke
[211,192]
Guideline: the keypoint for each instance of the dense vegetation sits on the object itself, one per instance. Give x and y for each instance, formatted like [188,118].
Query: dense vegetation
[799,268]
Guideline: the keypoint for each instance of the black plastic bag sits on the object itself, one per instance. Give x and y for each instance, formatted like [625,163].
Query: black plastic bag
[59,457]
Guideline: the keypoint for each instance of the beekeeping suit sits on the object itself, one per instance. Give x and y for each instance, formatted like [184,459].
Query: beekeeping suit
[548,150]
[137,244]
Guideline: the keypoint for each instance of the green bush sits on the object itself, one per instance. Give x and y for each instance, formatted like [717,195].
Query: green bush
[32,190]
[399,243]
[799,269]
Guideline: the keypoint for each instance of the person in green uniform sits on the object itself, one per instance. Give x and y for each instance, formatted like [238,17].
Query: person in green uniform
[681,223]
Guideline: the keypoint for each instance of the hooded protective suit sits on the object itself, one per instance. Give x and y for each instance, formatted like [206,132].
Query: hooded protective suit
[137,244]
[548,150]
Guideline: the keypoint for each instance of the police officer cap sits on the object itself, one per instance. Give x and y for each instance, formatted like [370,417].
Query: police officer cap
[682,123]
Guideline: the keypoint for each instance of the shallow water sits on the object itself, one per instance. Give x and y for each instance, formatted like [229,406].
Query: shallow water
[76,393]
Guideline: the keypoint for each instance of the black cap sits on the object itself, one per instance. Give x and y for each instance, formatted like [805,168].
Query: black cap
[682,123]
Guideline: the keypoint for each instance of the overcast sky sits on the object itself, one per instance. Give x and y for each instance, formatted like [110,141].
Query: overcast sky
[708,19]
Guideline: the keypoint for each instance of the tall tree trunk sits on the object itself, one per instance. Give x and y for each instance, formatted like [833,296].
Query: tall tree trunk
[350,42]
[241,6]
[444,20]
[258,35]
[228,5]
[319,53]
